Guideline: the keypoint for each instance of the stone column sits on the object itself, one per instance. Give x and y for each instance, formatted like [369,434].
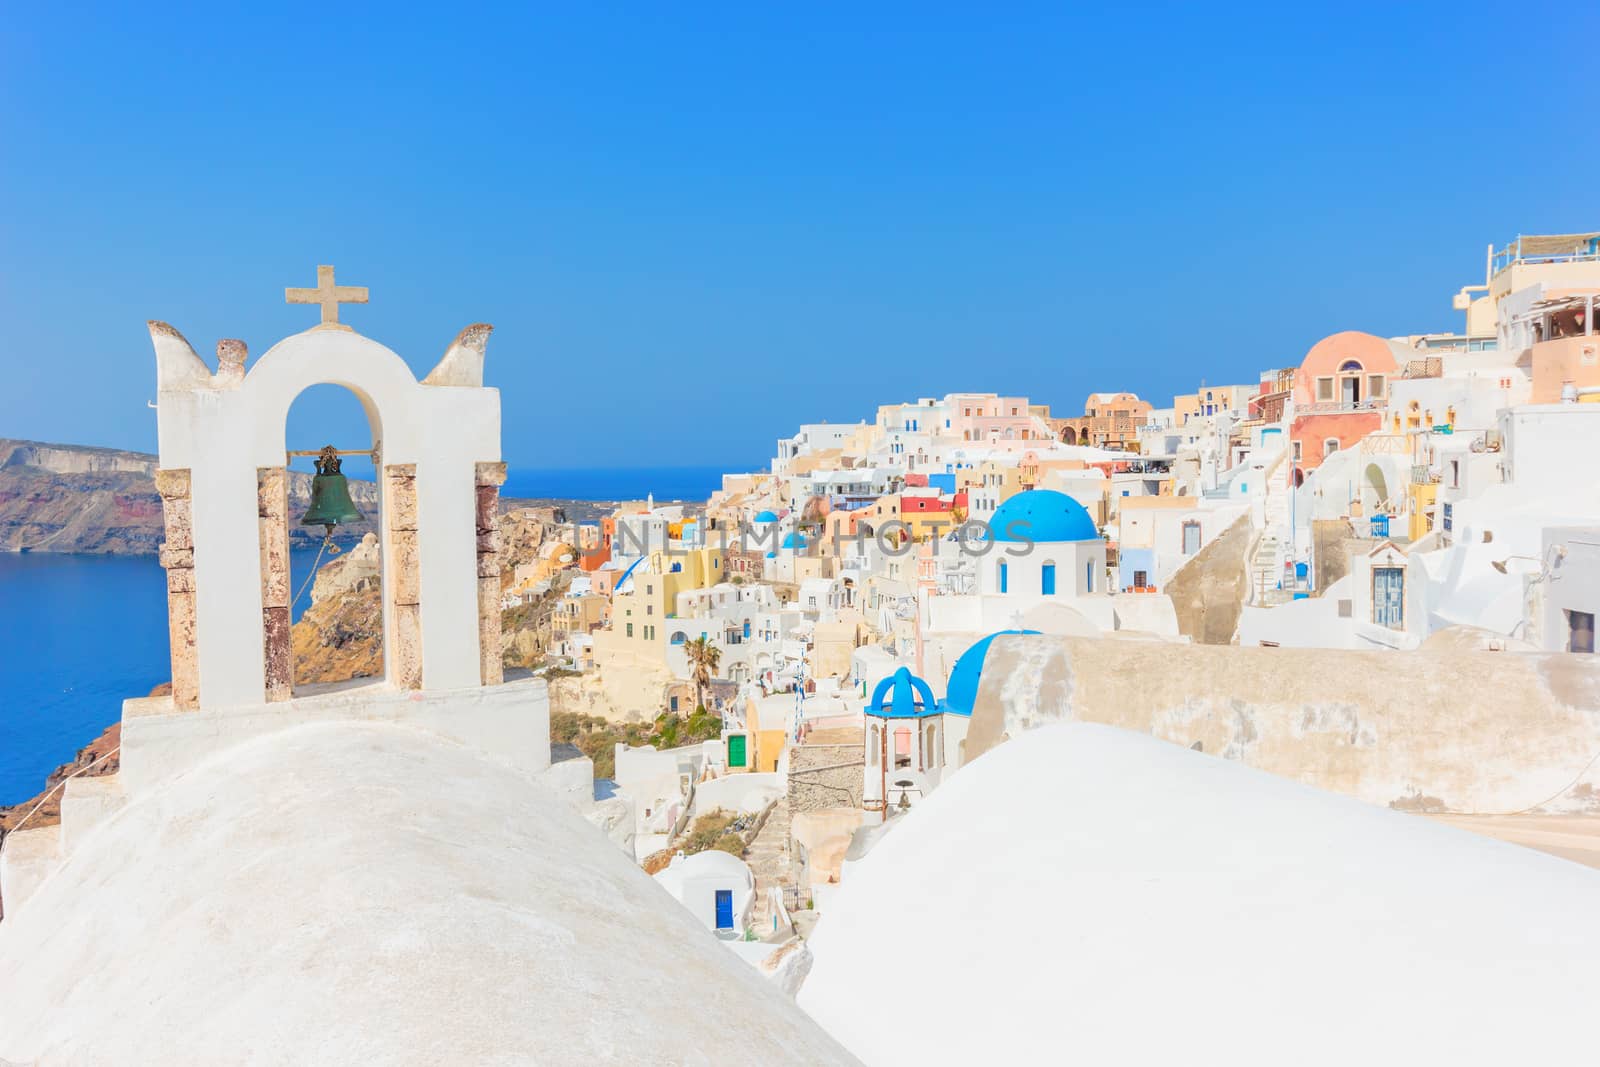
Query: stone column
[404,580]
[272,508]
[177,556]
[490,477]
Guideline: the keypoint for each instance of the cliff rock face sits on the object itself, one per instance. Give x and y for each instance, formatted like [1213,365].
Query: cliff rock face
[341,634]
[71,498]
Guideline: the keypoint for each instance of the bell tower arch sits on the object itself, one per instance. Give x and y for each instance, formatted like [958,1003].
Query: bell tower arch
[224,483]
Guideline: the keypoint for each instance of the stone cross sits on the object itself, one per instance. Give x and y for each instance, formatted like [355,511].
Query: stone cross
[330,296]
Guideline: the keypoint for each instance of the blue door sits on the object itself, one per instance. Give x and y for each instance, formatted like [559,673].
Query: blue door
[724,909]
[1047,579]
[1389,597]
[1002,576]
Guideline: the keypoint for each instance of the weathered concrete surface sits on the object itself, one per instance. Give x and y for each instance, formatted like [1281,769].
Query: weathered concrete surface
[823,776]
[1208,591]
[365,893]
[1471,732]
[1332,541]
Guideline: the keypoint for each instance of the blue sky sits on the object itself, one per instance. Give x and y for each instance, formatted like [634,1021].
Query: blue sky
[695,226]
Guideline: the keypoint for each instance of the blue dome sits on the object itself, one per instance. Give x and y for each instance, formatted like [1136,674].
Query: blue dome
[765,516]
[962,692]
[794,539]
[903,695]
[1042,515]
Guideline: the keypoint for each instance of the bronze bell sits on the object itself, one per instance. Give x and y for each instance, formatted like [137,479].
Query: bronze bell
[330,495]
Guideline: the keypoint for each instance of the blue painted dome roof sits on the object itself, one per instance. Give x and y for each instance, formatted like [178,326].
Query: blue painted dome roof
[765,516]
[903,695]
[962,692]
[1042,515]
[794,539]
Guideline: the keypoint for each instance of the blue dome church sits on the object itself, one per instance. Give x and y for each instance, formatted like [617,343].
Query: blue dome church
[1044,545]
[904,737]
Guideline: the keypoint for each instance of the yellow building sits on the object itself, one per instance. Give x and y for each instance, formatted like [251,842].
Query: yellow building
[1213,400]
[1423,496]
[635,638]
[766,739]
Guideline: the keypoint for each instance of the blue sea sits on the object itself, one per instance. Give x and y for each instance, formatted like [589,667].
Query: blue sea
[79,634]
[615,483]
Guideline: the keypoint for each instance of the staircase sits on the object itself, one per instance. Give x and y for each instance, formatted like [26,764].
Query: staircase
[769,859]
[1273,541]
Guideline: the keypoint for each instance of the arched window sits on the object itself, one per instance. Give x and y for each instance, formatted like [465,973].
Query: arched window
[1330,446]
[872,746]
[677,637]
[1002,572]
[1088,577]
[931,758]
[1350,366]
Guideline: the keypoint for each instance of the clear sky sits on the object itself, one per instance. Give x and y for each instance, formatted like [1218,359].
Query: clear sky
[696,226]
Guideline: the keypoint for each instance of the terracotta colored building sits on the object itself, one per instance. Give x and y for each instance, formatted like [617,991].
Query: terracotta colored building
[1109,420]
[1339,393]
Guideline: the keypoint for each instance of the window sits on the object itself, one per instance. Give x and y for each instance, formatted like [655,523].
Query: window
[1297,451]
[1325,390]
[1002,572]
[1374,385]
[1141,579]
[1330,446]
[747,627]
[630,629]
[673,704]
[1580,631]
[1088,577]
[649,609]
[872,747]
[1388,597]
[1047,579]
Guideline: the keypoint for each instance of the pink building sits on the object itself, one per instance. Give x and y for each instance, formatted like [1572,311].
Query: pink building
[1339,393]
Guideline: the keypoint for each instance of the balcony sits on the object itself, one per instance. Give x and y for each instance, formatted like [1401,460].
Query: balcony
[1341,407]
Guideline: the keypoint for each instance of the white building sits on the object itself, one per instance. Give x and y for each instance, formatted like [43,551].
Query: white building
[716,887]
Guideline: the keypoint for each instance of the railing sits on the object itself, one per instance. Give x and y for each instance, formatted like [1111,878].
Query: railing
[1386,444]
[1511,255]
[1337,407]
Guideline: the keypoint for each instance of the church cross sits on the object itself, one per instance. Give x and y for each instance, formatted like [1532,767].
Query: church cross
[330,296]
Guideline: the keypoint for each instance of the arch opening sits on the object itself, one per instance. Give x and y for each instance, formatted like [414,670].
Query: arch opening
[339,595]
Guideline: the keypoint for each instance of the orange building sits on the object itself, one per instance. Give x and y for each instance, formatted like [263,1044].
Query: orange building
[1339,391]
[1109,420]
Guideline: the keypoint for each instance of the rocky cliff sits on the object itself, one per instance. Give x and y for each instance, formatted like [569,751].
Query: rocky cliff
[71,498]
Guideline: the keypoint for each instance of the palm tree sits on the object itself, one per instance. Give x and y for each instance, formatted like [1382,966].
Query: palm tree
[704,657]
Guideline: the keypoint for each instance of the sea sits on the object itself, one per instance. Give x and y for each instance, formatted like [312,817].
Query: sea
[79,634]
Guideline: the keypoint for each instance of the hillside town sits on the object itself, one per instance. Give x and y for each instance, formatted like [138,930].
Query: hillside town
[1230,700]
[833,614]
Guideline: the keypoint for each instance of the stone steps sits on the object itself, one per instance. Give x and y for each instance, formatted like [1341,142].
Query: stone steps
[31,854]
[770,859]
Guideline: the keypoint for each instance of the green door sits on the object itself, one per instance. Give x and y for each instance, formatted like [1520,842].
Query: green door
[736,750]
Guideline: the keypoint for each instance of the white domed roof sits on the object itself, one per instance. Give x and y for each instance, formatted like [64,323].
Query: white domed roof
[365,893]
[1088,895]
